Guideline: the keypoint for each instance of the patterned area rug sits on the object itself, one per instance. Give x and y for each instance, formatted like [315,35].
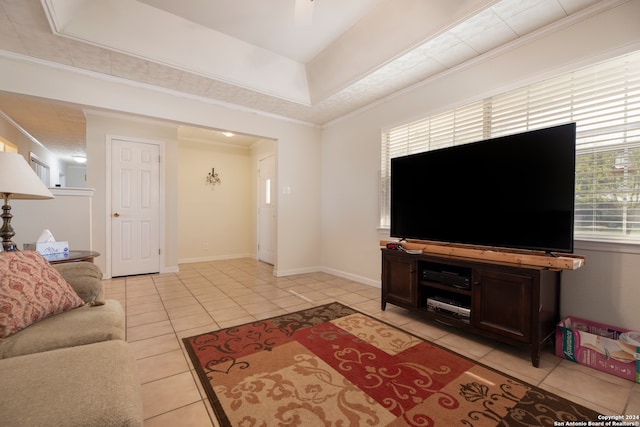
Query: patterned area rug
[334,366]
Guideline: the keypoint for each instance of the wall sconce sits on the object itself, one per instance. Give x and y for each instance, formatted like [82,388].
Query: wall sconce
[212,178]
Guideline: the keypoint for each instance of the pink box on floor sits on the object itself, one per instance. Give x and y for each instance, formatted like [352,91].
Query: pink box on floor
[597,345]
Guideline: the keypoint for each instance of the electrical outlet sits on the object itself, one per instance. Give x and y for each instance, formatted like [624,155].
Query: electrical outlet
[205,246]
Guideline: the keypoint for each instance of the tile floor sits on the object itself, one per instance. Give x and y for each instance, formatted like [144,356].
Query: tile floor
[162,309]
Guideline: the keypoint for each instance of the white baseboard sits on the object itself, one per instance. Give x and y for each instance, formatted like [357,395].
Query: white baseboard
[354,277]
[285,273]
[214,258]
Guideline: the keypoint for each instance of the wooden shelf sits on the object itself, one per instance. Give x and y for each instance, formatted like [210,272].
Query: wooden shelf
[495,255]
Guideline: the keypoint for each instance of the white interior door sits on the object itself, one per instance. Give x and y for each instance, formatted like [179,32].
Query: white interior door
[135,208]
[267,210]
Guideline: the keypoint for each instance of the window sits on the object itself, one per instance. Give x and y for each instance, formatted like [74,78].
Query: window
[7,146]
[604,101]
[267,191]
[41,169]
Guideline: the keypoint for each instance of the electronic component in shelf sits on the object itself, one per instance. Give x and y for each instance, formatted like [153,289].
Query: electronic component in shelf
[447,278]
[449,307]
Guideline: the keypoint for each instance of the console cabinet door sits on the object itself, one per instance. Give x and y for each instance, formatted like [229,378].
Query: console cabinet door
[502,303]
[399,281]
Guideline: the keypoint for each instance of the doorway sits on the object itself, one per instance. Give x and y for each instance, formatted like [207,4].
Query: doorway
[135,207]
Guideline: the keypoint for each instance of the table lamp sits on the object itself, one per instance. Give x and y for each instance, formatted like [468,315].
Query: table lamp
[17,181]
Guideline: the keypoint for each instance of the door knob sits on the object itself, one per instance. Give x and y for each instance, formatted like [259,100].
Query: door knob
[116,214]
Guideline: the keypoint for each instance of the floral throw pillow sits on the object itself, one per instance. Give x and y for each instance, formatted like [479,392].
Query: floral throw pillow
[30,290]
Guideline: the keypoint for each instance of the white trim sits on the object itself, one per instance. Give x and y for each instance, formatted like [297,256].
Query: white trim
[21,129]
[353,277]
[72,191]
[604,246]
[215,258]
[284,273]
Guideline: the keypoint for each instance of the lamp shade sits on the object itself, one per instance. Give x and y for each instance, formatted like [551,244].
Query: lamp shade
[19,180]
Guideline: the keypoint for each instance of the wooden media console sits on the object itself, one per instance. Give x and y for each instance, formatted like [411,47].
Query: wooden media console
[512,297]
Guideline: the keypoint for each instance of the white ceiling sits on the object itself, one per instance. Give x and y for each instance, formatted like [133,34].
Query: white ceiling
[252,54]
[271,24]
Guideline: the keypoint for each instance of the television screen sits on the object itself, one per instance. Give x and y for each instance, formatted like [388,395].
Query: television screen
[514,191]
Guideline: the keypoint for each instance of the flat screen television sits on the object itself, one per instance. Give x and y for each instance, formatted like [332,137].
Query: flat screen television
[514,191]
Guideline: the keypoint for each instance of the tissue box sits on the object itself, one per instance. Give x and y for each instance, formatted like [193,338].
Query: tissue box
[598,346]
[48,248]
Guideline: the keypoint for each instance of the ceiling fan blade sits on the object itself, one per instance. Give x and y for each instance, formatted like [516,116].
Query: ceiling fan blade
[304,12]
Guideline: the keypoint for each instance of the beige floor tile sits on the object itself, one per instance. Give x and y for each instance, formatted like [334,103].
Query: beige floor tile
[220,304]
[144,308]
[269,314]
[289,301]
[146,318]
[156,345]
[369,306]
[335,291]
[185,310]
[179,302]
[190,322]
[429,331]
[517,363]
[149,331]
[141,291]
[208,293]
[574,382]
[351,298]
[468,346]
[194,415]
[236,322]
[196,331]
[251,298]
[141,300]
[173,295]
[225,314]
[168,394]
[633,405]
[272,294]
[161,365]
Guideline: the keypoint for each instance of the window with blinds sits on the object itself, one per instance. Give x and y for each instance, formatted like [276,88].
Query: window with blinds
[40,168]
[604,101]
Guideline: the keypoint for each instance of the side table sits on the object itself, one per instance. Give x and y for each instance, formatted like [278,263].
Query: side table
[71,256]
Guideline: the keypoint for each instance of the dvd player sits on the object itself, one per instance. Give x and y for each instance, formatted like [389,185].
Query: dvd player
[447,278]
[440,304]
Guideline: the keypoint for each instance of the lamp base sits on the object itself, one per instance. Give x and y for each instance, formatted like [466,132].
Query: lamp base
[6,232]
[9,246]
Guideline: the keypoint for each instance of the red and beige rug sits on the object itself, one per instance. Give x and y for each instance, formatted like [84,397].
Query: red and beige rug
[334,366]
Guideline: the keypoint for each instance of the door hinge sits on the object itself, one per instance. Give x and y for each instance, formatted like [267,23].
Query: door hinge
[159,252]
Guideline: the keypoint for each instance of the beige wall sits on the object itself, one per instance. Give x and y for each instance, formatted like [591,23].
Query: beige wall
[218,216]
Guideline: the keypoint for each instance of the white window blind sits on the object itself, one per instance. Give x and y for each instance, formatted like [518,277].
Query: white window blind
[462,125]
[40,168]
[604,101]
